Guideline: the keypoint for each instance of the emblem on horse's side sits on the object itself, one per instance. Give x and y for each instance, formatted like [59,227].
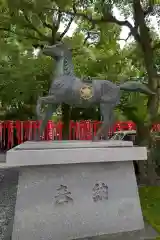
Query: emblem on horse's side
[86,92]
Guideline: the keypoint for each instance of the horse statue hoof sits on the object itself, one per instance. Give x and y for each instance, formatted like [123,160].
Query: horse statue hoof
[95,139]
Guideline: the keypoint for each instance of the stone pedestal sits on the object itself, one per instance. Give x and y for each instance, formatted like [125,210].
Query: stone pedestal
[75,189]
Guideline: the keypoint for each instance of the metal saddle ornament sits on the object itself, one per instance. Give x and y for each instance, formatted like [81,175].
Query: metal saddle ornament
[69,89]
[86,92]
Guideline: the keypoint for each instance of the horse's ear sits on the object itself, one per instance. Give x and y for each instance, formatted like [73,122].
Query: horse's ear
[41,46]
[59,43]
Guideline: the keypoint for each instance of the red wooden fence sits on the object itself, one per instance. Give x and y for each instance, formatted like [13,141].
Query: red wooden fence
[16,132]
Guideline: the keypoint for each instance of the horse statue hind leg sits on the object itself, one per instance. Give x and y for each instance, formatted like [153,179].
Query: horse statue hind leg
[107,112]
[110,98]
[51,108]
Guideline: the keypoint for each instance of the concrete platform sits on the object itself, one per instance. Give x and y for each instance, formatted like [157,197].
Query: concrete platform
[75,189]
[62,152]
[8,191]
[149,232]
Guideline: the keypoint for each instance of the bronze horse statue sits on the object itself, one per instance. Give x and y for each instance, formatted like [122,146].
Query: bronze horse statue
[69,89]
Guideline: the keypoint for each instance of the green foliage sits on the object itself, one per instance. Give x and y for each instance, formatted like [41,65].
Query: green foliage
[22,77]
[134,107]
[150,202]
[33,22]
[25,23]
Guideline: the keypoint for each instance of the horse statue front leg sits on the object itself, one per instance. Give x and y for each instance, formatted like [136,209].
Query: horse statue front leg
[43,100]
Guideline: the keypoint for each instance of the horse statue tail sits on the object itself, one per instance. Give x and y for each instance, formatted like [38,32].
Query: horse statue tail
[133,86]
[38,108]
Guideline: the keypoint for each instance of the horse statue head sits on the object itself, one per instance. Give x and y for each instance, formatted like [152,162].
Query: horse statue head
[56,51]
[62,54]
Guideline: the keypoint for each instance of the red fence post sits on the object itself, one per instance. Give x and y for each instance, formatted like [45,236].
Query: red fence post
[89,130]
[72,130]
[1,134]
[80,130]
[59,130]
[27,130]
[54,130]
[19,130]
[48,131]
[158,127]
[10,128]
[35,128]
[96,125]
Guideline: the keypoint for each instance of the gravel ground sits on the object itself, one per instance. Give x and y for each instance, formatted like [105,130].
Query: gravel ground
[8,191]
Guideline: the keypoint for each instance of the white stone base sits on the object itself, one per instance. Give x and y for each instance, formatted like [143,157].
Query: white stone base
[102,191]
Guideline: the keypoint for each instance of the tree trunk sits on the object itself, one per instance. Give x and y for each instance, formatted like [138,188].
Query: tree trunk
[66,120]
[145,43]
[142,134]
[146,46]
[141,140]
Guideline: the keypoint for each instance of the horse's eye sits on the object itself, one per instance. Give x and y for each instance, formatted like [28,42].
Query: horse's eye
[41,46]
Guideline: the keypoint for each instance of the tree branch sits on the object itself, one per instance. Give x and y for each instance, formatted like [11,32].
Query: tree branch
[58,20]
[149,9]
[91,34]
[107,18]
[87,37]
[56,24]
[126,39]
[67,28]
[31,26]
[156,46]
[28,36]
[45,24]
